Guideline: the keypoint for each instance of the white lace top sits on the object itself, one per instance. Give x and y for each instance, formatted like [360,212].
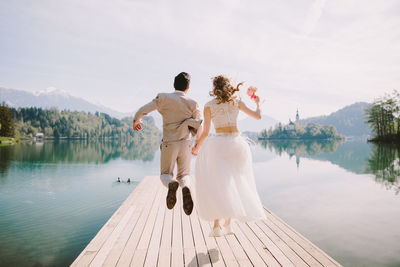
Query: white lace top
[224,114]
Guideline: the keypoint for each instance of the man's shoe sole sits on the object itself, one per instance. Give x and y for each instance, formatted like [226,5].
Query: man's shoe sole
[187,201]
[171,195]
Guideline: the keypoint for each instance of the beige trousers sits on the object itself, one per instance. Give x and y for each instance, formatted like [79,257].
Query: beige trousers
[179,152]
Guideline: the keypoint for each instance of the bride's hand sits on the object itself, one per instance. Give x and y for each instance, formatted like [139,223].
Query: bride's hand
[195,150]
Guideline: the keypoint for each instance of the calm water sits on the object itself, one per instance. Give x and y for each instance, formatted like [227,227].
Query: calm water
[344,197]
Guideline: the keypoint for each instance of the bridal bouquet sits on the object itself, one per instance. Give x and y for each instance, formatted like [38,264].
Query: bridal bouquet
[251,91]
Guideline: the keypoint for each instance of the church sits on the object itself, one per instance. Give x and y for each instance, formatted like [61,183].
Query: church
[291,125]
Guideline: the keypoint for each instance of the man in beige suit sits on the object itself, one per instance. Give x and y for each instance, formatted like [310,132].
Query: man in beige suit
[181,117]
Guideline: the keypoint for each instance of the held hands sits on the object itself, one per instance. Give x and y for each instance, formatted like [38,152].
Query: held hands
[137,125]
[195,149]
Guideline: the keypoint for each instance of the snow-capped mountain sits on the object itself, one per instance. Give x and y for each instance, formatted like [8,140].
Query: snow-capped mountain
[60,99]
[52,91]
[53,97]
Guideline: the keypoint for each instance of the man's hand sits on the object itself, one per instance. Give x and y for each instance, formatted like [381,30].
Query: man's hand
[137,125]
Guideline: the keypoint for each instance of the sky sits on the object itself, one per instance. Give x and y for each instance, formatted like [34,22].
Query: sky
[313,55]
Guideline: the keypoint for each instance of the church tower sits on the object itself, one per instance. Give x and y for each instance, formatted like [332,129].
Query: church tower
[297,116]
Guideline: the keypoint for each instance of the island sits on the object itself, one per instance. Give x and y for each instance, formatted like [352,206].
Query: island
[297,131]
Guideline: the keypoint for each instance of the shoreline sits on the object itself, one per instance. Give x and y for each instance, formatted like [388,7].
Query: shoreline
[388,139]
[7,141]
[300,139]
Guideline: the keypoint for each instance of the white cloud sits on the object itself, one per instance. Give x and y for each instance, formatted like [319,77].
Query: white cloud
[314,14]
[316,55]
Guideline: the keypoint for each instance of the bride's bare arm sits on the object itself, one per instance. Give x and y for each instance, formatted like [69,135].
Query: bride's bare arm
[206,131]
[256,114]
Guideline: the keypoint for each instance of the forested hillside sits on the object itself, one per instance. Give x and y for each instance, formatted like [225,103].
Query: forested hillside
[349,121]
[78,125]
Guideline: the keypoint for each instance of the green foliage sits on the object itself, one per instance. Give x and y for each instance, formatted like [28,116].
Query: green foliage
[77,151]
[263,134]
[309,131]
[5,141]
[79,125]
[384,117]
[7,126]
[384,163]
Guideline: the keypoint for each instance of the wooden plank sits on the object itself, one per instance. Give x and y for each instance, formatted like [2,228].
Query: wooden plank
[112,248]
[95,244]
[143,232]
[264,253]
[189,252]
[292,256]
[225,249]
[203,257]
[139,255]
[316,252]
[212,246]
[91,250]
[110,242]
[238,251]
[134,238]
[154,246]
[247,246]
[293,245]
[275,251]
[164,256]
[176,247]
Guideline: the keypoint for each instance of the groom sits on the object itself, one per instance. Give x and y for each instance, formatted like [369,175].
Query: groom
[181,117]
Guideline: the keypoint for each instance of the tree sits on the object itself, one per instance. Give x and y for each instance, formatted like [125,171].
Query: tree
[56,124]
[263,134]
[384,117]
[7,127]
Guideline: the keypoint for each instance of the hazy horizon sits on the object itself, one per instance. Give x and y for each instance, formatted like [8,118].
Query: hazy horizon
[156,114]
[317,56]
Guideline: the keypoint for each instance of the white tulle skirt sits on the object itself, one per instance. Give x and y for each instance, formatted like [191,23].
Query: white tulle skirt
[224,180]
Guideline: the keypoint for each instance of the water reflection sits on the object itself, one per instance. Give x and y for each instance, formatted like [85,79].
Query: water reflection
[301,148]
[52,205]
[384,163]
[55,196]
[360,157]
[76,152]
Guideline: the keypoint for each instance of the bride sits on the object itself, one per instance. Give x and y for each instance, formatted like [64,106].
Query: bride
[224,180]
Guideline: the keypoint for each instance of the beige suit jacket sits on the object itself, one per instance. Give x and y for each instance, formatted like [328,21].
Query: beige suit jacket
[180,114]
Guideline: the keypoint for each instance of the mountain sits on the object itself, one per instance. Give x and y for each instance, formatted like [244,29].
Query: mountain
[349,121]
[60,99]
[52,97]
[252,125]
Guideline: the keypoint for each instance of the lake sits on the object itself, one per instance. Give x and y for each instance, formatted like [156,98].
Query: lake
[344,197]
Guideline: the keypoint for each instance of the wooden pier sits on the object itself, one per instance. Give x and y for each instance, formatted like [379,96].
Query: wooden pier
[143,232]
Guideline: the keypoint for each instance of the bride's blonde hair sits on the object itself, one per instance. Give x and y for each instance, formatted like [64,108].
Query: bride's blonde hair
[223,90]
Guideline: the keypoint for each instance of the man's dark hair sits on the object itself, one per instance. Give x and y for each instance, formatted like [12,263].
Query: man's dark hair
[182,81]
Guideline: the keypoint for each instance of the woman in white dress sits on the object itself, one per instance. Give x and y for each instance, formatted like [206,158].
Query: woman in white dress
[224,180]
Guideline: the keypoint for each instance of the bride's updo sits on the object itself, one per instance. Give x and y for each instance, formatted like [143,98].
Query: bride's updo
[223,90]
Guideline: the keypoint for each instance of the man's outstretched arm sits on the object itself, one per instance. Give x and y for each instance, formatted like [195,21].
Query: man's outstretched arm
[146,109]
